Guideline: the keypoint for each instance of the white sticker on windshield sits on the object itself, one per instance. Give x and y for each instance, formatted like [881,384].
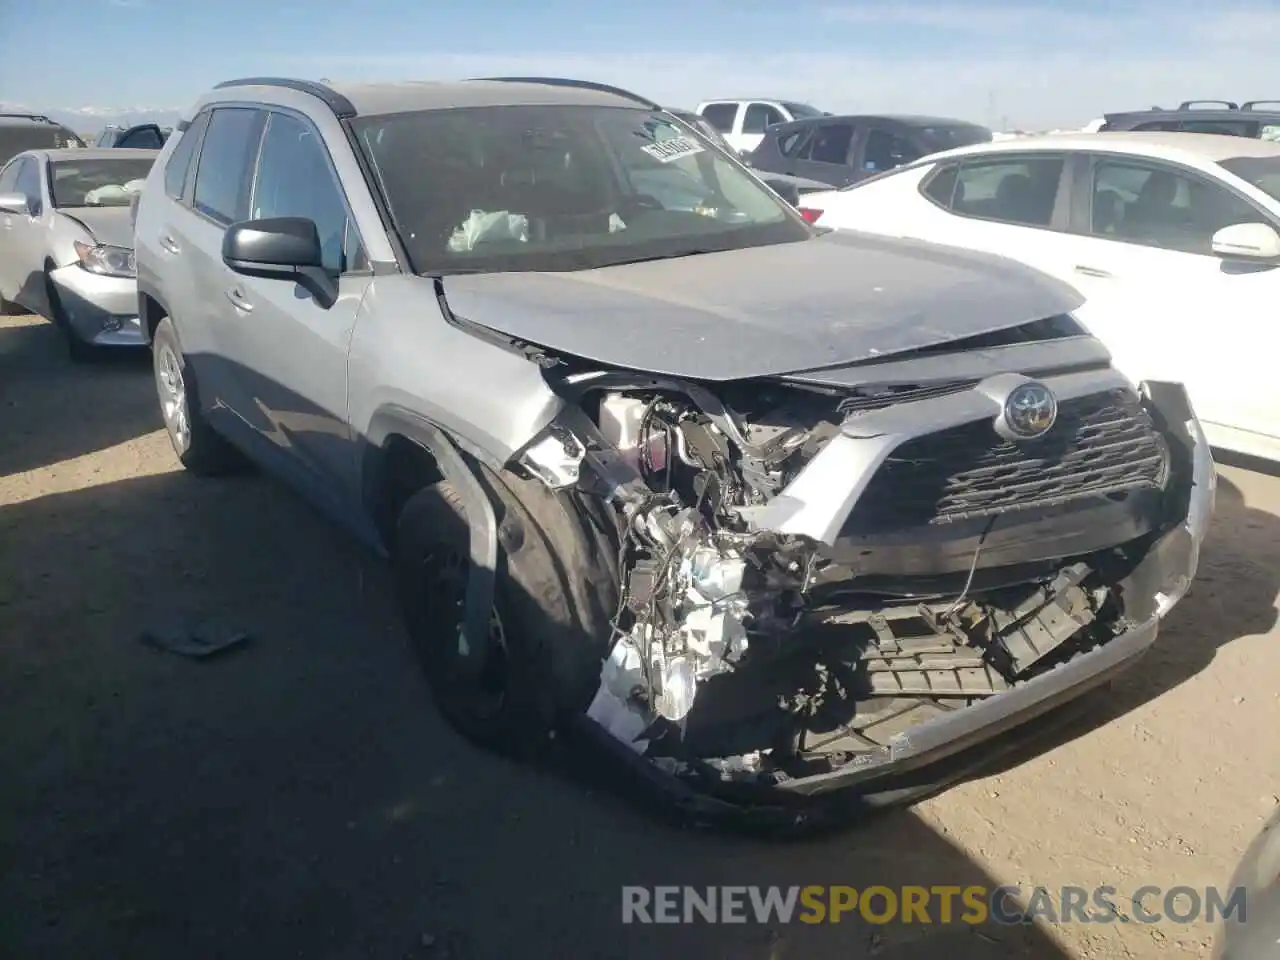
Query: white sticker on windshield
[674,149]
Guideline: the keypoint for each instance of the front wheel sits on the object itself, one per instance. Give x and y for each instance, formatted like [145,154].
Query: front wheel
[554,597]
[199,448]
[77,349]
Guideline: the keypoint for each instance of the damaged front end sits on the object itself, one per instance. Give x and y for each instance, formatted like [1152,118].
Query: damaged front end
[831,587]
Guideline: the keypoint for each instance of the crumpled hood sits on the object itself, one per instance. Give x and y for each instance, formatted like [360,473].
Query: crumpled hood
[837,299]
[113,225]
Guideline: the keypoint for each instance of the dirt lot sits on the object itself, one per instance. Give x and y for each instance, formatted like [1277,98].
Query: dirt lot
[300,798]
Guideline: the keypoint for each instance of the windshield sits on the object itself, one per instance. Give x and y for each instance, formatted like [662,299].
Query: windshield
[97,183]
[1262,172]
[947,136]
[802,111]
[551,188]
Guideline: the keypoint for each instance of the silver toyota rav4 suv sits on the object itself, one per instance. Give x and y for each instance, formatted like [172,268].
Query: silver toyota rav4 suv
[767,514]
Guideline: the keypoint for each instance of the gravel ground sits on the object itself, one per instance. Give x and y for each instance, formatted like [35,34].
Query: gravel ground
[300,798]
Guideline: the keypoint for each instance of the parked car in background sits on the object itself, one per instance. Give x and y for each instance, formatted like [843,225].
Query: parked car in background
[743,122]
[141,136]
[1172,237]
[843,150]
[1255,933]
[66,242]
[1258,119]
[32,131]
[791,189]
[666,478]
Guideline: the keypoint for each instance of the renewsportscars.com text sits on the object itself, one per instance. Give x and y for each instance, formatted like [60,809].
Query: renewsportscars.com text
[934,904]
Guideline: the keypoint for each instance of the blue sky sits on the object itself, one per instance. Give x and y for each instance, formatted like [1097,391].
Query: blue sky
[1028,63]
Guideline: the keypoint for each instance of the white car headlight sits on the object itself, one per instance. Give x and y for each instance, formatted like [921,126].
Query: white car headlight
[106,260]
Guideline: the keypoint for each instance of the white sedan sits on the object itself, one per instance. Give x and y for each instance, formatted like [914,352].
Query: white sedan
[1173,238]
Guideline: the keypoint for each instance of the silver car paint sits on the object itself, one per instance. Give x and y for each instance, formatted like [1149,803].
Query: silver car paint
[385,359]
[837,299]
[102,310]
[380,361]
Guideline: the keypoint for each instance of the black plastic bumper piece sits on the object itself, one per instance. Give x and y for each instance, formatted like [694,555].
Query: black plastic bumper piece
[919,762]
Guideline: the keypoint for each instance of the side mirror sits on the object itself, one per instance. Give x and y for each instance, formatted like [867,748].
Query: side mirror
[1247,241]
[281,248]
[16,203]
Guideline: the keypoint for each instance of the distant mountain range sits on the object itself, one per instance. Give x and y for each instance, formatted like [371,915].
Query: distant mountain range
[90,120]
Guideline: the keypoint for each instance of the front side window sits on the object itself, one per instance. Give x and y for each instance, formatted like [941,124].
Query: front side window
[721,115]
[9,177]
[759,116]
[295,179]
[28,183]
[225,164]
[1016,190]
[886,151]
[830,143]
[97,183]
[1262,172]
[1159,206]
[562,188]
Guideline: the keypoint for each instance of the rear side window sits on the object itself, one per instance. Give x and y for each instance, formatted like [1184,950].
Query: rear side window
[721,115]
[829,144]
[225,164]
[942,185]
[1016,190]
[179,164]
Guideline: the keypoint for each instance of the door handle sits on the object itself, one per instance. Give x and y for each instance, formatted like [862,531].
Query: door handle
[168,243]
[237,298]
[1093,272]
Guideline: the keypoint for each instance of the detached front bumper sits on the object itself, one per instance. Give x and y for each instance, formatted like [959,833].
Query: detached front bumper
[938,752]
[100,310]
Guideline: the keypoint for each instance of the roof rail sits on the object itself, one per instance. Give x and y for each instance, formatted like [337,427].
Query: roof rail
[1253,104]
[1225,104]
[38,117]
[342,108]
[577,84]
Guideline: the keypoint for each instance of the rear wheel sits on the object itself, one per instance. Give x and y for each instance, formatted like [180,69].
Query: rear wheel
[199,448]
[554,597]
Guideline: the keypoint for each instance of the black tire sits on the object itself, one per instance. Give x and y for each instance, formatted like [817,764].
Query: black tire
[198,447]
[77,349]
[555,596]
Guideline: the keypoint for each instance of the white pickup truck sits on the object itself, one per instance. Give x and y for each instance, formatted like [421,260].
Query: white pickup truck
[742,122]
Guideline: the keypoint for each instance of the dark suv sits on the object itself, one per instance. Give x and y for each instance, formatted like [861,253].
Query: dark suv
[843,150]
[1253,118]
[20,132]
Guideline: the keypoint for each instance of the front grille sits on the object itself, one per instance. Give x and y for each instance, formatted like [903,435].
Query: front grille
[1101,444]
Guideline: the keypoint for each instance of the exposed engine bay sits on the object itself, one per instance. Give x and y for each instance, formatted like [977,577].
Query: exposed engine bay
[742,653]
